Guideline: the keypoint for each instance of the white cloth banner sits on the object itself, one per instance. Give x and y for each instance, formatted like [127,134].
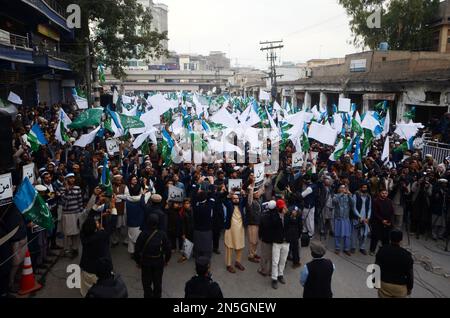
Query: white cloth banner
[14,98]
[323,134]
[87,139]
[28,171]
[112,146]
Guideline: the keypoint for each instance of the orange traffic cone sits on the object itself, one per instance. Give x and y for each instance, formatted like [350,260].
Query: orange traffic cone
[28,283]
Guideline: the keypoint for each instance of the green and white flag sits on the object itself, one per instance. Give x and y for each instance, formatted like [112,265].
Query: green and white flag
[89,118]
[33,206]
[106,177]
[356,124]
[339,151]
[60,133]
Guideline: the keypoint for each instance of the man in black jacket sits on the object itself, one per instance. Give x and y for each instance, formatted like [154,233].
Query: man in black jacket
[294,228]
[265,236]
[396,264]
[154,206]
[316,275]
[280,247]
[108,285]
[202,285]
[152,253]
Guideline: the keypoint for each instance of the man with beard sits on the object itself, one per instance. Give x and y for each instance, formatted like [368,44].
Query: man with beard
[234,232]
[72,207]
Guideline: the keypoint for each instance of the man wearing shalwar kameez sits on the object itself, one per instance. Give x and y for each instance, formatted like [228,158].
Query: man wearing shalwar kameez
[234,233]
[363,211]
[343,207]
[72,208]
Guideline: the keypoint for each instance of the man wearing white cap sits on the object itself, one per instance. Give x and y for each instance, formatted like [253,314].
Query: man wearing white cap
[72,207]
[265,268]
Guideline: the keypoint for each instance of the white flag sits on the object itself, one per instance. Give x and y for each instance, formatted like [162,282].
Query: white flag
[13,98]
[385,156]
[87,139]
[263,95]
[323,134]
[115,97]
[387,125]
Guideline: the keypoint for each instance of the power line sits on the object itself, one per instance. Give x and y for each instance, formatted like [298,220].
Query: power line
[271,47]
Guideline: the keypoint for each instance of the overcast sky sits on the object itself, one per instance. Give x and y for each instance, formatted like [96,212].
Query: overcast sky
[310,28]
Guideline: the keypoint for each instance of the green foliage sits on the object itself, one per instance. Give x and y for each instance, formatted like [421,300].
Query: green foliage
[404,23]
[110,27]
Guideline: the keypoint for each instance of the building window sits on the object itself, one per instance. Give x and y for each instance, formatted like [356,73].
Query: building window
[433,97]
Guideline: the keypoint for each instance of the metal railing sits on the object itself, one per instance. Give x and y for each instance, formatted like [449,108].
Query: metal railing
[56,6]
[53,51]
[14,39]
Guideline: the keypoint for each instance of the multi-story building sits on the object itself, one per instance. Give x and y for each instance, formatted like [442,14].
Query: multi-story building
[441,28]
[33,38]
[405,79]
[160,23]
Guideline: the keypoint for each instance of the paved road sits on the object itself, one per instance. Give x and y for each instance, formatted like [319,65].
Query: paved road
[349,280]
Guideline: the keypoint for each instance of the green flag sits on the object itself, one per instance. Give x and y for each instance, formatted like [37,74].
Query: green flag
[305,143]
[89,118]
[106,177]
[29,202]
[101,73]
[367,143]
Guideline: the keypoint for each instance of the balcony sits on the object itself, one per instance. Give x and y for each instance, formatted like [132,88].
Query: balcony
[15,48]
[51,9]
[50,57]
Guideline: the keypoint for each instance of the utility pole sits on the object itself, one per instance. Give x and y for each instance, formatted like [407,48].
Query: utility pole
[217,76]
[88,75]
[271,46]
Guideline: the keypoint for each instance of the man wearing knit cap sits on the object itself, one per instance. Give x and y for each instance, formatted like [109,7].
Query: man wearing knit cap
[72,207]
[316,276]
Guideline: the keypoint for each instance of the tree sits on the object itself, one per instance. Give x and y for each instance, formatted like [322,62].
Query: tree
[115,31]
[404,23]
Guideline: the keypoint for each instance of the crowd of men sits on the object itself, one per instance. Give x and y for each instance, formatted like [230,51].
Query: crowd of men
[293,207]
